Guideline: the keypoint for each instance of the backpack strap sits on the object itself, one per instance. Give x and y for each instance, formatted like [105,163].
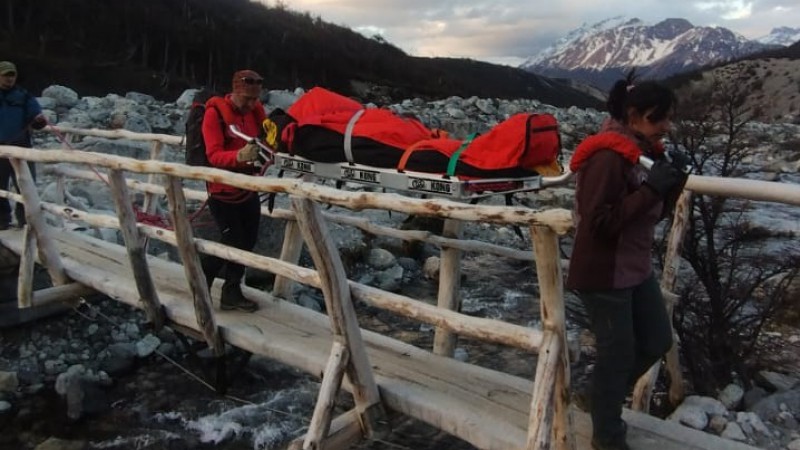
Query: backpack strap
[401,165]
[451,165]
[348,136]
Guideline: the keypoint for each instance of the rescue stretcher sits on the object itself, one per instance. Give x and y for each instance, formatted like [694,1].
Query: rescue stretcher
[440,185]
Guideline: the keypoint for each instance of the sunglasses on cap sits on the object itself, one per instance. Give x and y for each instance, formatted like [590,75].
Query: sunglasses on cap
[252,81]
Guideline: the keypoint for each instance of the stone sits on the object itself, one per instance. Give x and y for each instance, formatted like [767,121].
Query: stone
[731,396]
[147,345]
[718,424]
[381,259]
[691,416]
[794,445]
[8,381]
[431,268]
[734,432]
[777,381]
[61,444]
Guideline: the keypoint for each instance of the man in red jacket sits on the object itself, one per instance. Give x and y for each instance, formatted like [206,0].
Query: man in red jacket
[237,212]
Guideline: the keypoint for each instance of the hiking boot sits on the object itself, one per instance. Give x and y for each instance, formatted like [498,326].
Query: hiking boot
[617,443]
[232,298]
[611,445]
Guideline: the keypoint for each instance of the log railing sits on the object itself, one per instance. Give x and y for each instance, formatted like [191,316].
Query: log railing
[549,418]
[550,422]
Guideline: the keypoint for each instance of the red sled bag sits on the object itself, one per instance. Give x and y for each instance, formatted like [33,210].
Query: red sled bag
[326,127]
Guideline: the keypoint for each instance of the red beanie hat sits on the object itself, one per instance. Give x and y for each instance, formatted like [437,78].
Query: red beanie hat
[247,83]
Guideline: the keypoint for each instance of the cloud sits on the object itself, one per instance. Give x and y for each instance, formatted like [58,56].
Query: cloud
[728,9]
[512,29]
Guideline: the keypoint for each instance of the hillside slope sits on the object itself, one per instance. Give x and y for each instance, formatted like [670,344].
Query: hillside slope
[161,47]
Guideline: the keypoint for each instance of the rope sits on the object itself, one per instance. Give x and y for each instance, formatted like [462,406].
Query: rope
[143,217]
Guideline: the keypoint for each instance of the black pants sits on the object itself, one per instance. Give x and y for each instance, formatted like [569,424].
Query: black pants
[632,331]
[238,224]
[7,177]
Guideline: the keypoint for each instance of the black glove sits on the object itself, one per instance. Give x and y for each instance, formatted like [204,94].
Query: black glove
[680,160]
[38,122]
[664,177]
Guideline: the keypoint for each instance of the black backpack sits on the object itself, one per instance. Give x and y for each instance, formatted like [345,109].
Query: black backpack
[195,145]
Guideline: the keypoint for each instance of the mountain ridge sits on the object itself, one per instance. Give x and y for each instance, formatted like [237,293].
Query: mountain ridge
[603,52]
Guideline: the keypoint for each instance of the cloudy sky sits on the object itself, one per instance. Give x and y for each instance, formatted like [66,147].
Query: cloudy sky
[507,31]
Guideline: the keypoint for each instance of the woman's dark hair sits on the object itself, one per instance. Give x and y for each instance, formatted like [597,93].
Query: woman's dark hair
[642,97]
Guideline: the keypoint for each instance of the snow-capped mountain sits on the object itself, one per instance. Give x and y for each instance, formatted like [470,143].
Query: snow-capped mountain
[781,36]
[601,53]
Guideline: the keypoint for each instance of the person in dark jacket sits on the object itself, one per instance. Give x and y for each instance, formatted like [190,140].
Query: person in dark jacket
[617,206]
[19,113]
[237,212]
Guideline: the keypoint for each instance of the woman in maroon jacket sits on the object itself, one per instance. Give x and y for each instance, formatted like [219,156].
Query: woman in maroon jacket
[617,206]
[237,212]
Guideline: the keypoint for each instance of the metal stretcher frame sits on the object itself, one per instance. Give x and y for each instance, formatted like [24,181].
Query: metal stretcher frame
[426,183]
[415,182]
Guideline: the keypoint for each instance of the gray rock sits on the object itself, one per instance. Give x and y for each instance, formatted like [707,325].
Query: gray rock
[5,407]
[777,381]
[731,396]
[751,421]
[753,396]
[8,381]
[768,408]
[121,359]
[390,279]
[381,259]
[61,444]
[147,345]
[690,415]
[62,95]
[794,445]
[431,268]
[734,432]
[717,424]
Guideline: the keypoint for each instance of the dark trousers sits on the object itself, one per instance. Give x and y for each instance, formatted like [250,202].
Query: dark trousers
[238,224]
[632,331]
[7,177]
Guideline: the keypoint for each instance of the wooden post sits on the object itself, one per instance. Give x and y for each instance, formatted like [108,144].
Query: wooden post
[48,253]
[136,251]
[150,204]
[643,390]
[290,252]
[444,342]
[551,302]
[326,400]
[27,263]
[541,426]
[191,265]
[344,322]
[64,293]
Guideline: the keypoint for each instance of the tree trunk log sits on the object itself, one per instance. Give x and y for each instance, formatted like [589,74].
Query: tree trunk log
[290,252]
[191,265]
[344,322]
[27,265]
[551,293]
[444,342]
[48,253]
[326,400]
[136,250]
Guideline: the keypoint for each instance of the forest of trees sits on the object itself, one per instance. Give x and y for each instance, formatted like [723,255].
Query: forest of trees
[164,46]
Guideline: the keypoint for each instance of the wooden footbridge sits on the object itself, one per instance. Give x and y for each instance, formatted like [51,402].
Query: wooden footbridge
[487,408]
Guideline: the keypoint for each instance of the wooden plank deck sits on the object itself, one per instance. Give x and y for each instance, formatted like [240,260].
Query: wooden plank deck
[411,380]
